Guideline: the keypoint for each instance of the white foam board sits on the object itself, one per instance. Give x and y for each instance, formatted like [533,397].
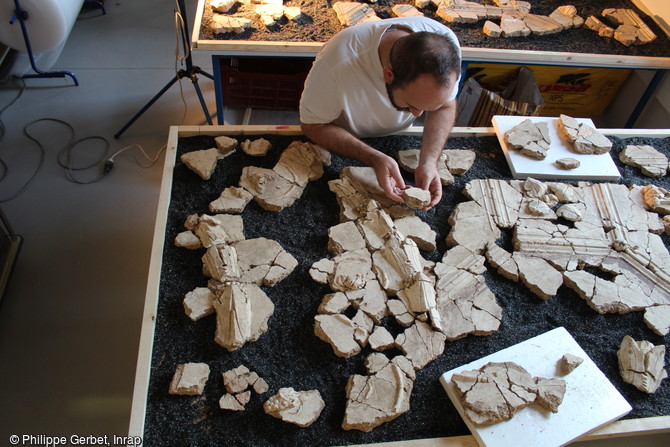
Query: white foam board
[590,400]
[592,167]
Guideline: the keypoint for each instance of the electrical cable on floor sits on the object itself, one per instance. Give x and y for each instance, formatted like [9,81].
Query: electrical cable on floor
[3,165]
[152,161]
[65,157]
[180,33]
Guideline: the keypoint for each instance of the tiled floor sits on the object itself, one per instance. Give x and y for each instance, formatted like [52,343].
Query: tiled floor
[70,320]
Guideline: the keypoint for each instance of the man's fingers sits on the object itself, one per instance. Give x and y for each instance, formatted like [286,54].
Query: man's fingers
[391,189]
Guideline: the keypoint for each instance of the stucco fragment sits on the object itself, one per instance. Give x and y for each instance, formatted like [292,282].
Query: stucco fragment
[642,364]
[652,162]
[420,344]
[301,408]
[417,230]
[497,391]
[242,314]
[338,331]
[376,398]
[568,163]
[189,379]
[232,200]
[568,363]
[201,162]
[416,198]
[187,239]
[531,139]
[584,138]
[198,303]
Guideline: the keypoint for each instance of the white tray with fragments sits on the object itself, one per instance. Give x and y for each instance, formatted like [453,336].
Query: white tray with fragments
[592,167]
[590,399]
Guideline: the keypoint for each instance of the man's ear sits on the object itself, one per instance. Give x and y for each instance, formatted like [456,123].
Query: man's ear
[388,74]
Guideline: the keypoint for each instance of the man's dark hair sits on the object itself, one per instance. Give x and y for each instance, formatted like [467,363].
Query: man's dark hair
[423,53]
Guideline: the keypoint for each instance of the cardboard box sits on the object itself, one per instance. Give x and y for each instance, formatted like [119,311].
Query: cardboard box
[477,105]
[576,91]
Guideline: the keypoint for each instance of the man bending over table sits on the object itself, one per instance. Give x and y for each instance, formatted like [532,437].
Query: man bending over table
[376,78]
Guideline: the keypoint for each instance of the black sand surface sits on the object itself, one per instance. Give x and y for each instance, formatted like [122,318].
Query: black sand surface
[289,354]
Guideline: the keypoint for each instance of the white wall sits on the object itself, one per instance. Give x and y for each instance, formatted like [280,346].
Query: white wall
[659,10]
[656,115]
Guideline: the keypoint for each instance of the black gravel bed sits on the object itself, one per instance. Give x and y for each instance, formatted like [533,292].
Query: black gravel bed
[319,23]
[290,355]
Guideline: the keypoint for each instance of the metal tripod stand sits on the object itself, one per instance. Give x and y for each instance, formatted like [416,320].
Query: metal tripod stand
[190,72]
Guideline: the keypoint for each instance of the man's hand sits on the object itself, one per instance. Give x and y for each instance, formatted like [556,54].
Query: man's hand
[427,177]
[338,140]
[388,176]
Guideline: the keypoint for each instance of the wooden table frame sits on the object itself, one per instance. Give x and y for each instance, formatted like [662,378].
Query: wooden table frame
[629,427]
[479,55]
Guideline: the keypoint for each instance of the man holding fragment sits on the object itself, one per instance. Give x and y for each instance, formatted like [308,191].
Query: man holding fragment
[376,78]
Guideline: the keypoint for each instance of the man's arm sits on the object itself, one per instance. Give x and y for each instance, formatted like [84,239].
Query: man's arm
[339,140]
[437,126]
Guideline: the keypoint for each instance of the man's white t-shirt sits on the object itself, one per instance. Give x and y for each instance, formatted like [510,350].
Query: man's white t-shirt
[346,82]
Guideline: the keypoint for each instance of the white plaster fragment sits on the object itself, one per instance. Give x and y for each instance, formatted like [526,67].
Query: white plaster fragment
[538,275]
[238,379]
[420,344]
[472,227]
[242,314]
[568,363]
[416,198]
[492,29]
[222,6]
[465,303]
[292,13]
[226,24]
[377,398]
[338,331]
[198,303]
[219,229]
[642,364]
[344,237]
[502,260]
[301,408]
[189,379]
[405,11]
[584,138]
[186,239]
[417,230]
[593,23]
[570,212]
[334,303]
[658,318]
[568,163]
[202,162]
[232,200]
[497,391]
[531,139]
[656,199]
[226,145]
[351,13]
[229,402]
[381,339]
[375,362]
